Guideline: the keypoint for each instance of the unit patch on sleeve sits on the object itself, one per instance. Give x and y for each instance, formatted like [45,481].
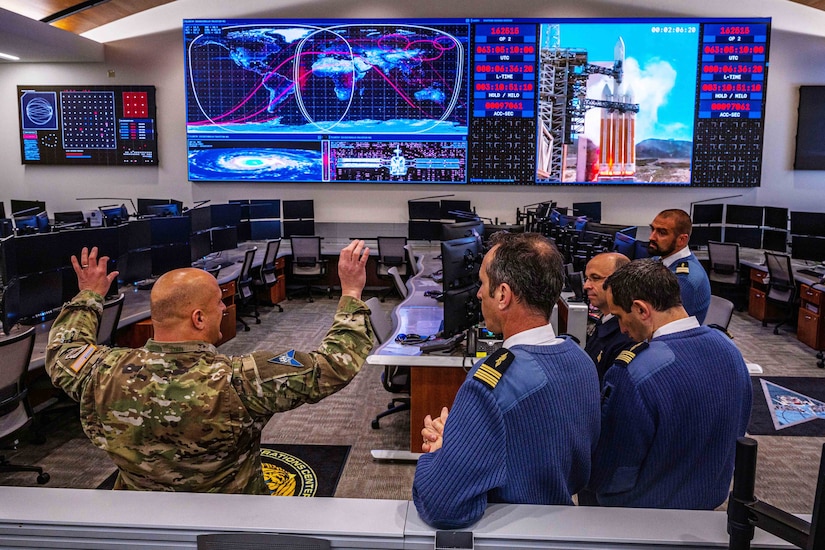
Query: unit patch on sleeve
[287,358]
[491,370]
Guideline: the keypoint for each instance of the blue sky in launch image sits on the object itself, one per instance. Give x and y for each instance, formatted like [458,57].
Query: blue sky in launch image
[659,70]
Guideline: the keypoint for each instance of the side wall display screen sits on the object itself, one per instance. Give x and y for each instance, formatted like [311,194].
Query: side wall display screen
[676,102]
[88,125]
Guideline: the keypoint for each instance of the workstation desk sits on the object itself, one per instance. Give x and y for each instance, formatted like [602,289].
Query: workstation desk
[435,378]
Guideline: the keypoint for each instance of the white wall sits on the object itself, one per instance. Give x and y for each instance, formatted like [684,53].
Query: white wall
[157,59]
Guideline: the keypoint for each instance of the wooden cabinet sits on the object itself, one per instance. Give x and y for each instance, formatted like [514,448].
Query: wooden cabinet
[228,323]
[277,292]
[810,328]
[758,306]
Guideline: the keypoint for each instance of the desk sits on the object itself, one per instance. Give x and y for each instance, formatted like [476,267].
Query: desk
[435,379]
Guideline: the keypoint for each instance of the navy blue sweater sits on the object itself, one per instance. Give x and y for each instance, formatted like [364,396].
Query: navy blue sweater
[529,440]
[694,285]
[670,420]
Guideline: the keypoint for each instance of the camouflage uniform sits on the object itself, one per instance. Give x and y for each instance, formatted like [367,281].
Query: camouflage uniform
[179,416]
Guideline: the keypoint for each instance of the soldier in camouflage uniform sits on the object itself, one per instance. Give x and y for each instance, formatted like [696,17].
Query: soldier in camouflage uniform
[177,415]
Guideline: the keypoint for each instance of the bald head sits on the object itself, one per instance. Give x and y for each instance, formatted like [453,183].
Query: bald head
[599,268]
[183,303]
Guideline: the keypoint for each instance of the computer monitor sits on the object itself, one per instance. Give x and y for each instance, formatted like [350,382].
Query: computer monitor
[171,230]
[700,235]
[170,256]
[592,210]
[261,230]
[135,265]
[460,261]
[625,244]
[421,230]
[776,217]
[2,209]
[200,244]
[808,223]
[424,210]
[42,252]
[6,227]
[449,206]
[749,237]
[740,214]
[264,209]
[224,215]
[642,251]
[28,208]
[42,220]
[707,213]
[461,309]
[298,227]
[299,210]
[71,216]
[114,215]
[40,296]
[224,238]
[575,280]
[139,234]
[144,204]
[25,225]
[201,218]
[544,209]
[808,248]
[458,230]
[164,210]
[774,239]
[8,260]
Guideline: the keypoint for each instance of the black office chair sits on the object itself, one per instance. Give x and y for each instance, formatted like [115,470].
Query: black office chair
[107,327]
[15,412]
[308,265]
[266,277]
[260,541]
[395,379]
[724,272]
[244,293]
[392,252]
[782,289]
[719,313]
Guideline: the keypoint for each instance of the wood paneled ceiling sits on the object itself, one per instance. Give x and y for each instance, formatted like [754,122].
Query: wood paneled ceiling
[79,17]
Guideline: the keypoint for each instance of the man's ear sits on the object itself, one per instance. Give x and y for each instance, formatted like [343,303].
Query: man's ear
[505,295]
[198,319]
[643,308]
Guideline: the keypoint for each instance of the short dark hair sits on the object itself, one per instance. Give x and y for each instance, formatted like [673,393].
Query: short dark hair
[681,220]
[531,265]
[647,280]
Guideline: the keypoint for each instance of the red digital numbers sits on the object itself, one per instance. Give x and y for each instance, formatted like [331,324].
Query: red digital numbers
[727,31]
[505,31]
[730,106]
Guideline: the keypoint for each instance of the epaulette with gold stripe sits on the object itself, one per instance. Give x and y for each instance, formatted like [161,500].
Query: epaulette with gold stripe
[626,356]
[492,369]
[683,268]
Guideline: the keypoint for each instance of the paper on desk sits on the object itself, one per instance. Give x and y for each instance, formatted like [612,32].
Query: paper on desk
[394,348]
[753,368]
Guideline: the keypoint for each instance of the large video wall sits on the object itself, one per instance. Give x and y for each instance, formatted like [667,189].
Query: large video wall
[507,102]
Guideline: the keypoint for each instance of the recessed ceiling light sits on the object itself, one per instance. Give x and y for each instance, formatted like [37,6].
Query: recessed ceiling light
[9,57]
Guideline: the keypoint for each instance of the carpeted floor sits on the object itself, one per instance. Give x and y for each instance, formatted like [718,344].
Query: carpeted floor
[787,465]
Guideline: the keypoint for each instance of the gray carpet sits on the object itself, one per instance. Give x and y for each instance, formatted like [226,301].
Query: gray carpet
[787,466]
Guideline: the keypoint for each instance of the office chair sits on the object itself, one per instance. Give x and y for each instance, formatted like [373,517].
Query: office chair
[412,262]
[724,272]
[392,252]
[395,379]
[400,286]
[266,277]
[15,412]
[244,292]
[308,265]
[781,289]
[719,313]
[107,327]
[259,541]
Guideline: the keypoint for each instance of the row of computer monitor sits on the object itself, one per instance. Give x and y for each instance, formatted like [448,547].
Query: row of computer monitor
[802,247]
[771,217]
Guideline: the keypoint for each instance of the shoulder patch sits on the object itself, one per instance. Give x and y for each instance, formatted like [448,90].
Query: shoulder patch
[287,358]
[492,369]
[79,356]
[683,267]
[626,356]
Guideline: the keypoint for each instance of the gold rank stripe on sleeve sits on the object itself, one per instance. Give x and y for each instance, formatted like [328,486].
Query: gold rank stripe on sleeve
[626,356]
[488,375]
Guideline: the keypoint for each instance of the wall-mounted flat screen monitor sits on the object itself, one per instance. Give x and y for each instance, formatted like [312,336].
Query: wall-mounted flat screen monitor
[808,223]
[810,149]
[699,236]
[424,210]
[591,210]
[707,213]
[775,239]
[225,214]
[657,101]
[808,248]
[750,237]
[299,210]
[776,217]
[88,125]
